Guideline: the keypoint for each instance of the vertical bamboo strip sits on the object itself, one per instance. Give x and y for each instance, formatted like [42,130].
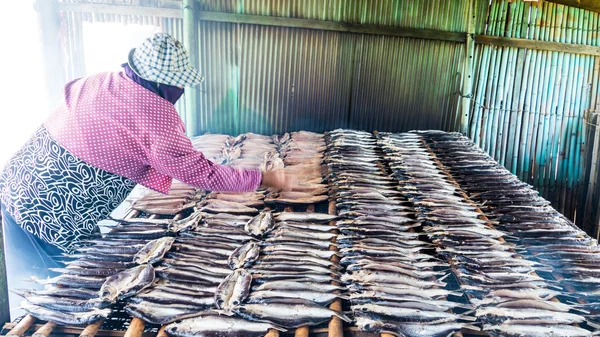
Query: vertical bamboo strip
[509,83]
[514,122]
[556,107]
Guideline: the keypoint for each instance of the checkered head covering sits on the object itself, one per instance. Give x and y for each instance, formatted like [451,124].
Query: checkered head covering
[161,58]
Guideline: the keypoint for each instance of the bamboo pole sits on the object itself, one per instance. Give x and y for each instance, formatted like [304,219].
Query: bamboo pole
[467,84]
[525,131]
[522,121]
[497,97]
[539,164]
[489,82]
[565,154]
[336,326]
[528,166]
[556,108]
[589,104]
[136,328]
[20,329]
[506,94]
[45,330]
[478,111]
[523,59]
[91,330]
[162,332]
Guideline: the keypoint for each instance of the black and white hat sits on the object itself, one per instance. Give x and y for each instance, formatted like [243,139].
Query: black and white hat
[161,58]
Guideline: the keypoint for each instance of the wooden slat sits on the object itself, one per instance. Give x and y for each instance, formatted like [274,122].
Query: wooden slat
[91,330]
[136,328]
[334,26]
[302,332]
[119,10]
[45,330]
[272,333]
[592,5]
[22,326]
[336,325]
[162,332]
[537,45]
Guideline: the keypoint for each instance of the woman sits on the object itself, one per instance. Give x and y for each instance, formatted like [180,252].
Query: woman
[114,130]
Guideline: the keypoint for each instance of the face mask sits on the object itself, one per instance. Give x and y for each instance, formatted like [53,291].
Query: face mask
[170,93]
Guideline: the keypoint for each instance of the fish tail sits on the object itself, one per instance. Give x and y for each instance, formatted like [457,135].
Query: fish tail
[443,277]
[471,327]
[21,292]
[595,326]
[341,316]
[465,316]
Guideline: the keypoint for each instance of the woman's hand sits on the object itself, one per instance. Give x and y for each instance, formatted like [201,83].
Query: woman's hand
[278,180]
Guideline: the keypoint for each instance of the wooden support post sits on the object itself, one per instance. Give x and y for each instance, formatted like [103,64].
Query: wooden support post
[45,330]
[190,42]
[136,328]
[91,330]
[20,329]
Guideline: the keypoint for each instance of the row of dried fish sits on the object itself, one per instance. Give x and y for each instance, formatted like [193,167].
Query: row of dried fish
[204,274]
[292,278]
[181,197]
[105,272]
[190,277]
[544,236]
[302,154]
[507,292]
[395,284]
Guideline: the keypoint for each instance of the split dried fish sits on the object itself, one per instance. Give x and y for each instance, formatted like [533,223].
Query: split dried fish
[260,224]
[127,283]
[153,251]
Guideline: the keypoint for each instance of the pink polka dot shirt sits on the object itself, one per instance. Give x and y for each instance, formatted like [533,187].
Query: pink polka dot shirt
[114,124]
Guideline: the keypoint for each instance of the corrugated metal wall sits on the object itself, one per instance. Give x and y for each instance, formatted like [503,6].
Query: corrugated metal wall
[530,106]
[275,79]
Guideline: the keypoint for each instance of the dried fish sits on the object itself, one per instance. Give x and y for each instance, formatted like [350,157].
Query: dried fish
[260,224]
[127,283]
[233,290]
[153,251]
[63,318]
[289,316]
[206,325]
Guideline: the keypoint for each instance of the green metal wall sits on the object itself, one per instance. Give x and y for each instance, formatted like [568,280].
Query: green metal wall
[530,107]
[268,79]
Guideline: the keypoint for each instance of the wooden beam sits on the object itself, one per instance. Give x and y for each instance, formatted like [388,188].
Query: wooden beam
[120,10]
[355,28]
[538,45]
[592,5]
[334,26]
